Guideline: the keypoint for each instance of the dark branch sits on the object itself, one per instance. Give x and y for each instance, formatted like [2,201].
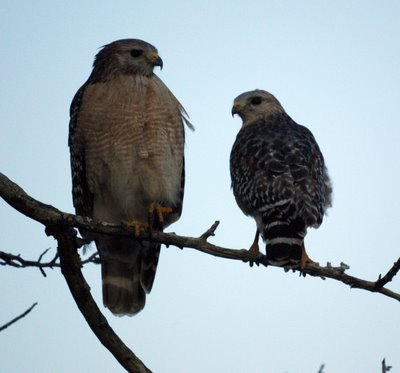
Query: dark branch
[385,368]
[80,290]
[50,216]
[210,231]
[60,225]
[312,269]
[18,262]
[5,326]
[381,282]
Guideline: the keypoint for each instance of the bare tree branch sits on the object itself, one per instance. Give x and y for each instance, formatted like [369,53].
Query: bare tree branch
[50,216]
[5,326]
[60,225]
[80,290]
[18,262]
[70,267]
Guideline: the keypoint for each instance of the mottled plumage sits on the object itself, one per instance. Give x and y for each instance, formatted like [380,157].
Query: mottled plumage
[127,152]
[278,176]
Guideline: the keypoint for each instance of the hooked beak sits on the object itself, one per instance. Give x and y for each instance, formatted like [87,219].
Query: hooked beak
[236,109]
[157,61]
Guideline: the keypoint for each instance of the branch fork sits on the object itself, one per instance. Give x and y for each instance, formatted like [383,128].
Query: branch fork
[62,226]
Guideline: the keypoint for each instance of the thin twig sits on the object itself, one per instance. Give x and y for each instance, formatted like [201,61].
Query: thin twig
[381,282]
[210,231]
[384,367]
[42,254]
[5,326]
[18,262]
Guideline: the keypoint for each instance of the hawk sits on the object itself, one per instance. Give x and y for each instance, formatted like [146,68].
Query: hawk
[278,177]
[126,139]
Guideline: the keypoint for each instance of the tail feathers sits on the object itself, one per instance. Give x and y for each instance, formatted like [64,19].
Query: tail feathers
[128,271]
[122,291]
[284,242]
[149,266]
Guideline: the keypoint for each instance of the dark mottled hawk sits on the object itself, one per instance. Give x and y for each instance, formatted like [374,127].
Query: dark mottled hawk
[126,140]
[278,177]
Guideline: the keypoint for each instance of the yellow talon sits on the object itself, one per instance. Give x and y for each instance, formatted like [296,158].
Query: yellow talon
[254,250]
[159,211]
[136,225]
[304,258]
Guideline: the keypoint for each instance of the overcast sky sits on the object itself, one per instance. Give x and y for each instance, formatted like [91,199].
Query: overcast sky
[334,66]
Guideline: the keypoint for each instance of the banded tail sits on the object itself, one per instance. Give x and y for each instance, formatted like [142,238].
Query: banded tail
[284,242]
[128,268]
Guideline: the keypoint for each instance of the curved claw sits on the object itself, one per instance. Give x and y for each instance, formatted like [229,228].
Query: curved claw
[137,226]
[159,211]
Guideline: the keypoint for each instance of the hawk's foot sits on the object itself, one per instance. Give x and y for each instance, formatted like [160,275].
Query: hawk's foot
[254,250]
[136,225]
[159,211]
[305,259]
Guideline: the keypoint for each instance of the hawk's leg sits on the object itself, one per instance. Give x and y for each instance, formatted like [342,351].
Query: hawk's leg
[158,211]
[254,250]
[137,226]
[304,257]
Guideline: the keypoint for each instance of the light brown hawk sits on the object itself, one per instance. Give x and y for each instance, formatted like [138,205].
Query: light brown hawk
[278,177]
[126,140]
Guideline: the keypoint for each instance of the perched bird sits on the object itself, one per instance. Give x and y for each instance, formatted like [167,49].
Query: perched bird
[126,139]
[278,177]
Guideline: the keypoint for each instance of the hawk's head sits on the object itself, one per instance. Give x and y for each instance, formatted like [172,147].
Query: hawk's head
[126,56]
[255,104]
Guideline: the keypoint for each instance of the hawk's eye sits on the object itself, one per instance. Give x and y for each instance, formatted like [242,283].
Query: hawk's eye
[256,100]
[136,52]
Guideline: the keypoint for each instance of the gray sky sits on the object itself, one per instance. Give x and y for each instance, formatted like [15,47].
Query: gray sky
[335,68]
